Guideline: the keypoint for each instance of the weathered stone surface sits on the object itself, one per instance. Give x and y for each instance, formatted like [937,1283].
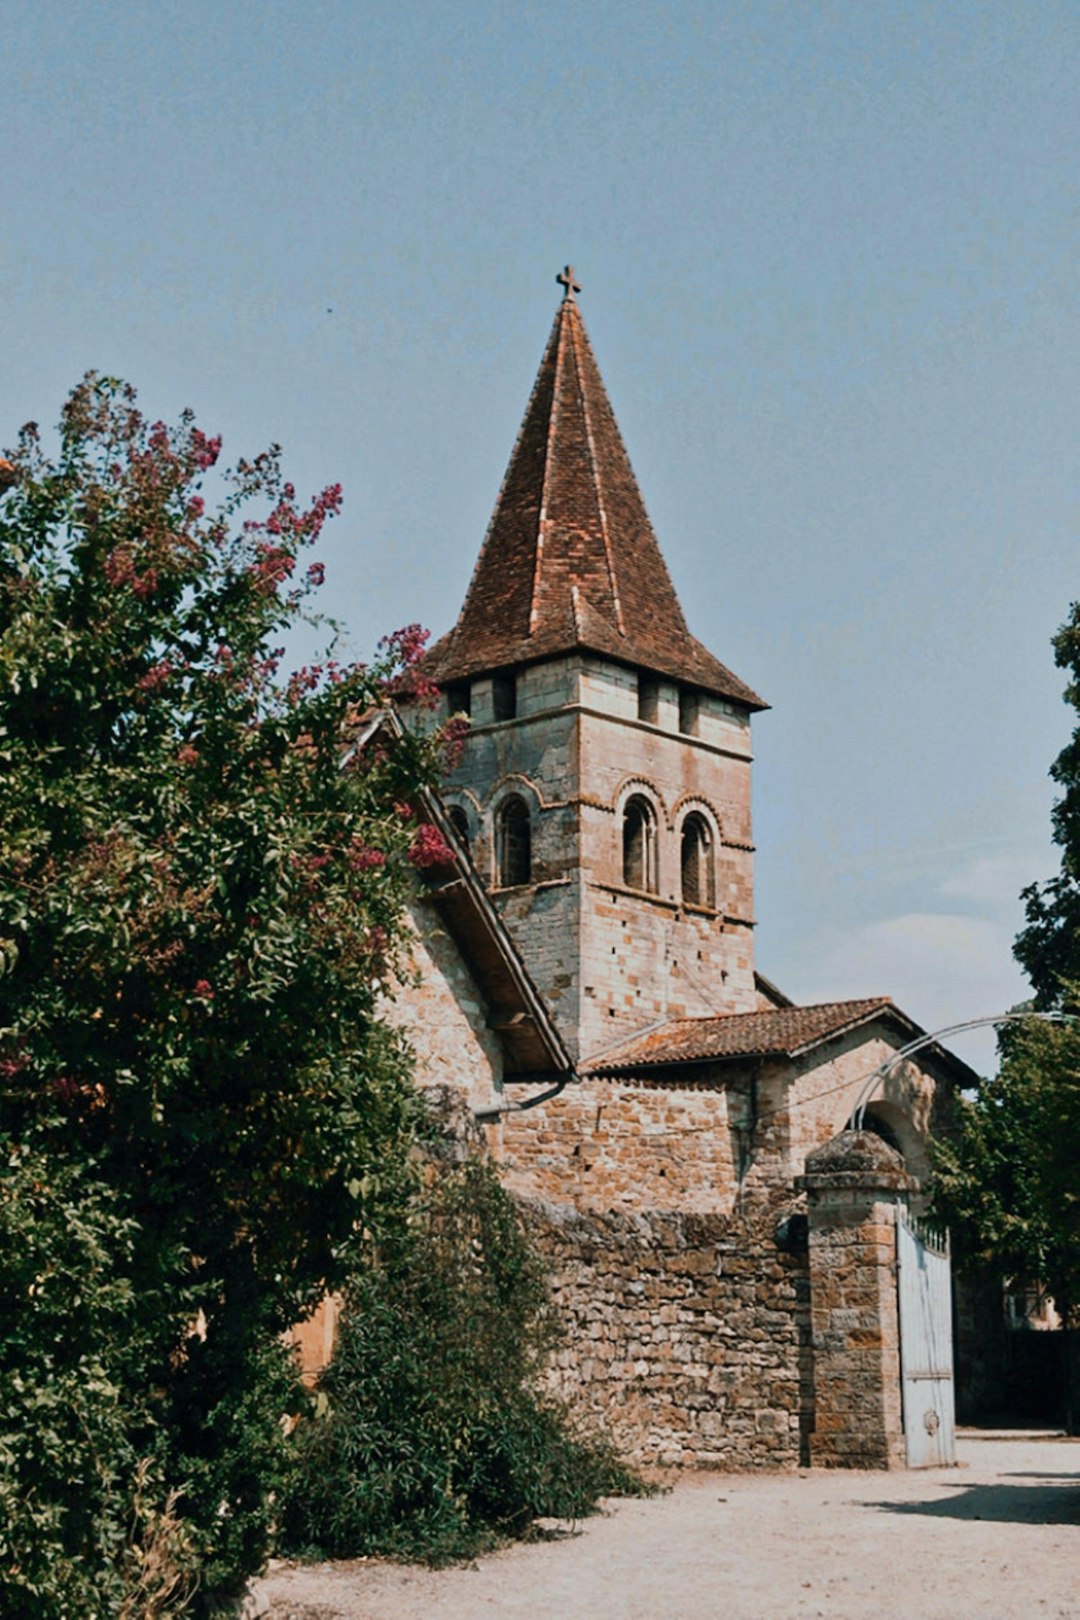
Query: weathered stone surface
[686,1383]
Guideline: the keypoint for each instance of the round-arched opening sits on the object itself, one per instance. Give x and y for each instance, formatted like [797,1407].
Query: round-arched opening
[459,820]
[513,844]
[697,864]
[875,1120]
[639,845]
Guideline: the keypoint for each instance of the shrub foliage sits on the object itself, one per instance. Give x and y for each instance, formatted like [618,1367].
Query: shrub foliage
[432,1437]
[201,882]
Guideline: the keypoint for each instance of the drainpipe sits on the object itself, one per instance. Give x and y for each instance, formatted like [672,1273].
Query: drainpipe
[493,1112]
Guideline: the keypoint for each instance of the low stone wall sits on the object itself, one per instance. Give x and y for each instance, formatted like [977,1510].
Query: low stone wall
[687,1335]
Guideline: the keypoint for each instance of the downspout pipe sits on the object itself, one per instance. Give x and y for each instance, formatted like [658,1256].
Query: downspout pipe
[491,1114]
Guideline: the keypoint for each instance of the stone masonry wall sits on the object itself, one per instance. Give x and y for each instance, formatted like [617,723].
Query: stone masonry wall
[854,1186]
[443,1013]
[686,1336]
[620,1145]
[609,959]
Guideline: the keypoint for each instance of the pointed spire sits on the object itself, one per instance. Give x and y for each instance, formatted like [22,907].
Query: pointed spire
[570,559]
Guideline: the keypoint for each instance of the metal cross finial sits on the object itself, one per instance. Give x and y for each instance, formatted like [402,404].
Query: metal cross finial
[567,282]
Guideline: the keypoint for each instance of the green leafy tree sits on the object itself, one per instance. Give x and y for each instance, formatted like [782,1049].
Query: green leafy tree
[1049,947]
[1008,1181]
[201,886]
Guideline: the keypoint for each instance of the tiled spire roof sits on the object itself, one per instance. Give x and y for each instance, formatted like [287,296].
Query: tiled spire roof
[570,559]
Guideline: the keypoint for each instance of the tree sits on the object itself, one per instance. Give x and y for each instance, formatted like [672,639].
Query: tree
[201,883]
[1008,1181]
[1049,947]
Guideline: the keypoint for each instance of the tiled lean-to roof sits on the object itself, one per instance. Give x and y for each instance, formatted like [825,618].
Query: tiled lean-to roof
[570,560]
[772,1032]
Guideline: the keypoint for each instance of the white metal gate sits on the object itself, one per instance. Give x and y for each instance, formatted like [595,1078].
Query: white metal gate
[923,1270]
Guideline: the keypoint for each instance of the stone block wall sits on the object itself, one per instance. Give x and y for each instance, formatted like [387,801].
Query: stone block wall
[854,1186]
[608,958]
[615,1145]
[686,1334]
[443,1013]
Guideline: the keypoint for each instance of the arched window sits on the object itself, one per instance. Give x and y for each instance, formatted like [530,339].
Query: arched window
[513,844]
[639,845]
[698,866]
[460,822]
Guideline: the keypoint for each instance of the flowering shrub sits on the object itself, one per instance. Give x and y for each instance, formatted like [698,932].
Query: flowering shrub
[198,909]
[429,848]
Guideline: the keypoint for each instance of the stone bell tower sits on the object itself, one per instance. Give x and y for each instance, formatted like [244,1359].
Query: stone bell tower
[604,786]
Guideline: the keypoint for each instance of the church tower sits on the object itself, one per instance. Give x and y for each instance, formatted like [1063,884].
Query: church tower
[604,785]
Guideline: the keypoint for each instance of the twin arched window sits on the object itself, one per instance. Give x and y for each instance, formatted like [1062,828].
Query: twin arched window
[513,842]
[639,854]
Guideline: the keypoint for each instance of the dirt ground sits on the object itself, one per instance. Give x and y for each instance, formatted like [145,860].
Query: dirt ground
[997,1538]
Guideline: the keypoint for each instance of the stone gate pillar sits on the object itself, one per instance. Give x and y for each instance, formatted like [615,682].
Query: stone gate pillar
[854,1185]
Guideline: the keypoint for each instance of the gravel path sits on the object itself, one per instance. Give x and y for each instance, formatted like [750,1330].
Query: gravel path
[997,1538]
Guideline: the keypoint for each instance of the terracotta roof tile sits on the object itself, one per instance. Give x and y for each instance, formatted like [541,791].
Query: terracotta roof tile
[570,559]
[779,1032]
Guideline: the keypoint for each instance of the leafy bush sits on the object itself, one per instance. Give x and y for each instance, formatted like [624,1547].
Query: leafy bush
[432,1437]
[67,1436]
[202,875]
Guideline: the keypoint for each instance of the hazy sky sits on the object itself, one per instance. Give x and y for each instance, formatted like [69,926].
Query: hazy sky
[830,258]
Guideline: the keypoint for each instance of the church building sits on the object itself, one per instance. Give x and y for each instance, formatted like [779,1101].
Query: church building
[724,1246]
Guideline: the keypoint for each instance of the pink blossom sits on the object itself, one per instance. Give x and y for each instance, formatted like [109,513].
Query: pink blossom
[155,676]
[203,989]
[405,646]
[429,848]
[273,565]
[325,505]
[119,566]
[316,573]
[362,858]
[206,450]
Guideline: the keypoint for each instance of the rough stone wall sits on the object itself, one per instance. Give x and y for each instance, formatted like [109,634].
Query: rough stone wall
[535,756]
[686,1334]
[856,1340]
[614,1145]
[443,1013]
[645,958]
[652,1144]
[854,1186]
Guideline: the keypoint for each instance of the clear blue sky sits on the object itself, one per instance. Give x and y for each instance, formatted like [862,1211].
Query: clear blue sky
[830,258]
